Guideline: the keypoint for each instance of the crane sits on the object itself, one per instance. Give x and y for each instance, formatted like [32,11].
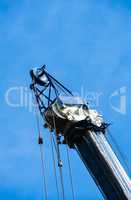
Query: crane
[83,129]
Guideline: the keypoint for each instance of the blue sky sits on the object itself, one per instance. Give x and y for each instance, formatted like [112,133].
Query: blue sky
[87,45]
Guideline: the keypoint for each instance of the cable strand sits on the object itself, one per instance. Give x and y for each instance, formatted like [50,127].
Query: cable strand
[54,166]
[70,173]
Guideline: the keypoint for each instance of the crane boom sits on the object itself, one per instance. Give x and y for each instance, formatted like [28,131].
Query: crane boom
[82,129]
[104,167]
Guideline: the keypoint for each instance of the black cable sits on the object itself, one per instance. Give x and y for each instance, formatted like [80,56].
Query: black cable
[70,173]
[123,157]
[54,166]
[41,155]
[43,172]
[59,161]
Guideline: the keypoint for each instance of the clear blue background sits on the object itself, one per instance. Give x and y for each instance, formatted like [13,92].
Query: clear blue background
[85,44]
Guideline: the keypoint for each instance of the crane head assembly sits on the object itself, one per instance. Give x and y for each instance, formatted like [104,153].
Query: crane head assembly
[60,109]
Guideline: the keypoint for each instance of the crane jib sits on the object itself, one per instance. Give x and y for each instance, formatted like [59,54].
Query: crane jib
[84,130]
